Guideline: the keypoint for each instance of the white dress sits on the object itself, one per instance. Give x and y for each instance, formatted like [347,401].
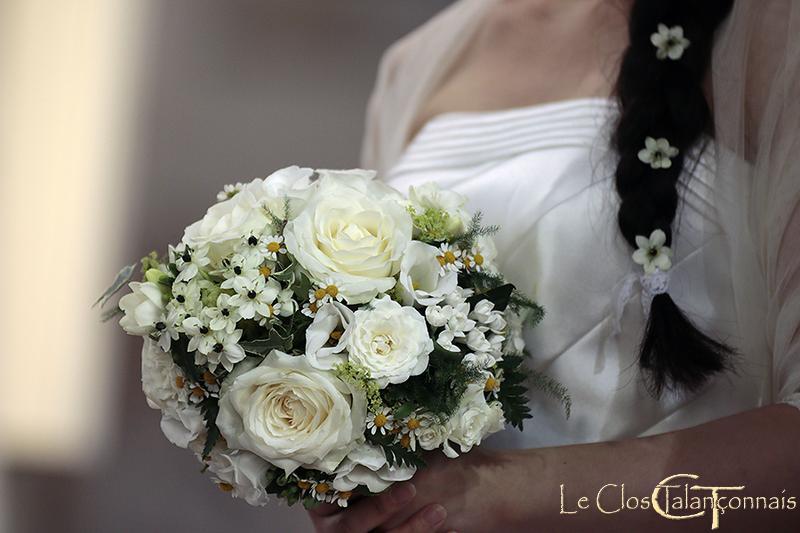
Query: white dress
[545,174]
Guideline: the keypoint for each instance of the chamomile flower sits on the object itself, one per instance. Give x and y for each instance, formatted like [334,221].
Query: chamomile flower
[322,491]
[474,260]
[380,422]
[323,293]
[411,425]
[653,254]
[254,296]
[657,153]
[229,191]
[188,261]
[669,42]
[274,246]
[211,383]
[225,351]
[197,393]
[224,316]
[341,498]
[310,309]
[492,384]
[450,259]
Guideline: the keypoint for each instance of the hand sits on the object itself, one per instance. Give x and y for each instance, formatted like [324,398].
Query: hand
[478,491]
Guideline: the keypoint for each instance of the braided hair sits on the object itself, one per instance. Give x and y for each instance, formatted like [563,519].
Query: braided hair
[664,98]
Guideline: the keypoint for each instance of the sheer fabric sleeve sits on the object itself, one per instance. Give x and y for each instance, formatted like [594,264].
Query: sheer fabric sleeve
[756,87]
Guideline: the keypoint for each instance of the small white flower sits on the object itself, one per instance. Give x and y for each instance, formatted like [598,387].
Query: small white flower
[482,360]
[458,296]
[188,260]
[253,247]
[652,253]
[492,383]
[449,258]
[224,316]
[186,298]
[657,153]
[254,296]
[669,42]
[167,329]
[380,422]
[200,333]
[410,428]
[477,341]
[286,305]
[229,191]
[225,351]
[239,266]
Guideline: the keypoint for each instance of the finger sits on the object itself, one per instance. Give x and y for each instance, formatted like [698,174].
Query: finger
[370,513]
[426,520]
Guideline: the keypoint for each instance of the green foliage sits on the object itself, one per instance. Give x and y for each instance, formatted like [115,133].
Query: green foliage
[275,340]
[552,388]
[210,409]
[513,393]
[360,378]
[499,296]
[396,455]
[432,224]
[438,390]
[474,230]
[150,261]
[122,279]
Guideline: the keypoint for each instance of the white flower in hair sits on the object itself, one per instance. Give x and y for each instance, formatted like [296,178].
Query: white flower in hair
[657,153]
[669,42]
[652,254]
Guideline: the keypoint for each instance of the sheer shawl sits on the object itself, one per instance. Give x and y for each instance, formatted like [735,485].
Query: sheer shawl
[756,100]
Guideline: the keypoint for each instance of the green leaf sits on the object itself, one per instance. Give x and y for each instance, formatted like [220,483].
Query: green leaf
[274,341]
[403,411]
[499,296]
[123,277]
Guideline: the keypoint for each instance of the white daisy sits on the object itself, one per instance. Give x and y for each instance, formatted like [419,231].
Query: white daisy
[274,246]
[380,422]
[474,260]
[669,42]
[652,254]
[492,384]
[450,258]
[657,153]
[411,425]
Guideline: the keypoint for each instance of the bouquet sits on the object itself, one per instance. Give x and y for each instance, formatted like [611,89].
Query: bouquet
[316,332]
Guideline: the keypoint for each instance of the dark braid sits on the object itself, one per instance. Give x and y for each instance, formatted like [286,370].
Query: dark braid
[665,98]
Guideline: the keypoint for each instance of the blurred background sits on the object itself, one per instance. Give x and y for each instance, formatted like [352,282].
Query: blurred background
[120,120]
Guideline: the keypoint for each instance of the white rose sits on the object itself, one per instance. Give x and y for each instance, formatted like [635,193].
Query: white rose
[291,414]
[475,419]
[390,340]
[143,308]
[366,465]
[241,473]
[431,434]
[225,223]
[420,276]
[331,323]
[181,422]
[352,234]
[431,196]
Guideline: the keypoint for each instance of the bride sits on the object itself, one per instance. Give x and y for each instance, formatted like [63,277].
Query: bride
[604,136]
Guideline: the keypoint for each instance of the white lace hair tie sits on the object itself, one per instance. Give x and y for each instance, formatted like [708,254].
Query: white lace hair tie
[656,260]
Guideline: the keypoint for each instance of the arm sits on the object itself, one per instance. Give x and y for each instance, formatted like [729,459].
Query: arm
[521,490]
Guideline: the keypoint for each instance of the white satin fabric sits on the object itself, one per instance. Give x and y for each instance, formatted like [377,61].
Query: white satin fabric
[545,174]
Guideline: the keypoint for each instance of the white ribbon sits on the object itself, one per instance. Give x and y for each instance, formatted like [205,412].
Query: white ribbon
[652,284]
